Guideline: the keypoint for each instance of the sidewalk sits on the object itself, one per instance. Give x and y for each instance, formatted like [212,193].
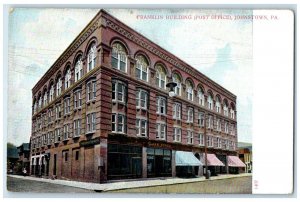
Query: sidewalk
[128,184]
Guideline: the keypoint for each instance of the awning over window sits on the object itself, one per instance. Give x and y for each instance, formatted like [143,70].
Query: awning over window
[183,158]
[234,161]
[212,160]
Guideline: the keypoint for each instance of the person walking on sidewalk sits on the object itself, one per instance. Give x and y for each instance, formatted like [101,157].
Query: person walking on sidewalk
[24,171]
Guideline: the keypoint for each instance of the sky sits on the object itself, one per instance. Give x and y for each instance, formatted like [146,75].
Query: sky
[219,48]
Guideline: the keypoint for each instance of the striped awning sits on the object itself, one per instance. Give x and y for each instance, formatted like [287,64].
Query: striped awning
[212,160]
[234,161]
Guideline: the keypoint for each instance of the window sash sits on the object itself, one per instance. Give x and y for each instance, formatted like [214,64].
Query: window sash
[161,131]
[177,134]
[190,115]
[161,105]
[141,126]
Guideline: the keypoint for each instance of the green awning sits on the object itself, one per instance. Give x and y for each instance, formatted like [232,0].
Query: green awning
[183,158]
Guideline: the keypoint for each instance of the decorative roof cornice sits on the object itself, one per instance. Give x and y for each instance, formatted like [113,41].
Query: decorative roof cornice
[83,35]
[148,45]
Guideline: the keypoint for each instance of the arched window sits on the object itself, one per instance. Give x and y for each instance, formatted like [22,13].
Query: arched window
[201,96]
[189,91]
[225,109]
[119,57]
[232,114]
[51,93]
[40,102]
[45,98]
[176,79]
[210,102]
[218,105]
[92,54]
[78,68]
[34,107]
[58,86]
[161,77]
[141,70]
[68,78]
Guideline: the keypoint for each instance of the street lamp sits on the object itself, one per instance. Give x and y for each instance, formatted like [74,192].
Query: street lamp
[171,85]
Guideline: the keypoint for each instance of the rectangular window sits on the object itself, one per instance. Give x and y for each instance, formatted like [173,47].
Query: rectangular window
[201,119]
[201,139]
[141,127]
[91,122]
[67,105]
[218,125]
[91,90]
[190,117]
[118,123]
[209,141]
[232,131]
[219,142]
[141,99]
[118,91]
[57,111]
[66,132]
[226,127]
[57,135]
[210,122]
[66,156]
[77,99]
[177,134]
[177,111]
[77,128]
[161,105]
[77,155]
[161,131]
[190,137]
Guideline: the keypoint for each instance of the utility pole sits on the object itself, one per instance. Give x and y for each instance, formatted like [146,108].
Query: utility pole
[205,147]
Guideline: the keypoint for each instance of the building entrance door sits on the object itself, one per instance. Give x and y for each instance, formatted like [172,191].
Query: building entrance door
[159,166]
[136,166]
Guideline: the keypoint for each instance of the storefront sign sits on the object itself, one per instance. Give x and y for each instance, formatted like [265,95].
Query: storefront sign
[160,145]
[91,142]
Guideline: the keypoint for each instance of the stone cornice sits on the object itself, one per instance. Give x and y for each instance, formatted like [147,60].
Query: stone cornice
[162,53]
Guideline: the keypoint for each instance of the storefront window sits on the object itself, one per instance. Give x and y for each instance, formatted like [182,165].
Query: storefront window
[159,162]
[124,161]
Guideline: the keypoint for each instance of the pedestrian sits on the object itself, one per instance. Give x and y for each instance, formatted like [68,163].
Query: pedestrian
[24,171]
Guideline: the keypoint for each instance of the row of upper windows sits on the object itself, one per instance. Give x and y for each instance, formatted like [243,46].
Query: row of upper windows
[119,94]
[64,133]
[119,61]
[56,89]
[118,125]
[119,91]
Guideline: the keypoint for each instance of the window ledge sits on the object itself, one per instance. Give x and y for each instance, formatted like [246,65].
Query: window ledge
[119,133]
[90,132]
[91,101]
[142,108]
[118,102]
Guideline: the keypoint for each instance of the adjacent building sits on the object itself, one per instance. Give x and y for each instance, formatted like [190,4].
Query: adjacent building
[245,154]
[103,111]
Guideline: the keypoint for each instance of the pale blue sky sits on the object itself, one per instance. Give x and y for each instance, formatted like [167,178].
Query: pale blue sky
[220,49]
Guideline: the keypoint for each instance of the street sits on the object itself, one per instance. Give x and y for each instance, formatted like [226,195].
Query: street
[21,185]
[229,184]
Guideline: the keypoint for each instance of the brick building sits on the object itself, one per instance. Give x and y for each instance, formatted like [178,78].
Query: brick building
[103,111]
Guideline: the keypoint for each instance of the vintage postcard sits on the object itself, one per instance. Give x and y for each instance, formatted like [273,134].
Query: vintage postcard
[147,101]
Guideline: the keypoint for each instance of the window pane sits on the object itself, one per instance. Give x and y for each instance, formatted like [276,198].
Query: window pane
[114,62]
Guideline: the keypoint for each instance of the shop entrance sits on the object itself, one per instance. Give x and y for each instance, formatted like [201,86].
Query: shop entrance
[158,163]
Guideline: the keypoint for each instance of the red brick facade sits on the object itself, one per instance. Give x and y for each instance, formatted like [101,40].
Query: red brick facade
[84,156]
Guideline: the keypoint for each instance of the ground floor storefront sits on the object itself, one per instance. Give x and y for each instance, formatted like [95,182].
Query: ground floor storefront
[123,158]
